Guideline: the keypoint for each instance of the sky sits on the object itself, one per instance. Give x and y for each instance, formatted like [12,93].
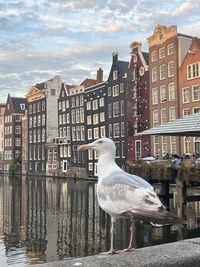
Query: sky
[43,38]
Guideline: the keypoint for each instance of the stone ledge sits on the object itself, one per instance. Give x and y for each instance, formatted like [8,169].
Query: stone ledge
[185,253]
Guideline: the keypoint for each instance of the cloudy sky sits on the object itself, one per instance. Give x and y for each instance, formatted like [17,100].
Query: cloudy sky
[42,38]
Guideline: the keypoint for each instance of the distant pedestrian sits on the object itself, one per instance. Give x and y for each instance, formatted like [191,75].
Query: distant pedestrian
[176,160]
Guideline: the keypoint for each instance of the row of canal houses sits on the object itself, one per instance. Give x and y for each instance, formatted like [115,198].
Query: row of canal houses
[47,126]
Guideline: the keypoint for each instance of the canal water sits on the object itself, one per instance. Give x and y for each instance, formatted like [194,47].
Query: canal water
[47,219]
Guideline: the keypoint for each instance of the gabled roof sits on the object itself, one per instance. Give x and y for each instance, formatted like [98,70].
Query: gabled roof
[146,57]
[16,104]
[186,126]
[88,82]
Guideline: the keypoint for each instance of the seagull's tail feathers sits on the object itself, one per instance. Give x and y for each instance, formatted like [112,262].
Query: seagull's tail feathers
[156,217]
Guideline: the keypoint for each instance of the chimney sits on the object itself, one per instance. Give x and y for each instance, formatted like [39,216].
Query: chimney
[99,75]
[115,56]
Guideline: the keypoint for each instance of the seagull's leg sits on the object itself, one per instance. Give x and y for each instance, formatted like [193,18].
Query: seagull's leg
[112,230]
[129,249]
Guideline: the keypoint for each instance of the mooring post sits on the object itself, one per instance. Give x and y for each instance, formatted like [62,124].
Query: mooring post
[181,198]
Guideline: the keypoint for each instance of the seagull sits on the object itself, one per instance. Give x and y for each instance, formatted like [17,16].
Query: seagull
[123,195]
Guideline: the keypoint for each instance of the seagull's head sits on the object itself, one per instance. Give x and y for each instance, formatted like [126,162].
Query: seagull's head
[102,146]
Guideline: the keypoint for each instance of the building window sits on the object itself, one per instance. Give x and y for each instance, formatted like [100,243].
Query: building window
[195,93]
[95,104]
[88,105]
[109,91]
[116,131]
[155,117]
[193,71]
[141,71]
[122,129]
[163,116]
[154,74]
[115,90]
[134,75]
[171,69]
[154,96]
[96,133]
[121,87]
[43,135]
[117,144]
[101,102]
[187,145]
[73,102]
[102,131]
[74,133]
[110,131]
[186,112]
[115,109]
[162,72]
[156,146]
[163,94]
[115,76]
[164,145]
[17,129]
[43,105]
[122,107]
[154,56]
[82,133]
[110,110]
[17,141]
[53,91]
[102,116]
[95,119]
[73,114]
[30,109]
[173,144]
[162,52]
[172,114]
[170,49]
[171,92]
[89,134]
[43,119]
[185,95]
[89,120]
[134,58]
[90,166]
[196,110]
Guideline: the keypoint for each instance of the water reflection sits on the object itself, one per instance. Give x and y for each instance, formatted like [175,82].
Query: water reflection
[43,220]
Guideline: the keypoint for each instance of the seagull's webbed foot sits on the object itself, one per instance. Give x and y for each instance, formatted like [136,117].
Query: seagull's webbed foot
[110,252]
[128,249]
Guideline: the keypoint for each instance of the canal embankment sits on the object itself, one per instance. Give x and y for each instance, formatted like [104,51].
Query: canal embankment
[185,253]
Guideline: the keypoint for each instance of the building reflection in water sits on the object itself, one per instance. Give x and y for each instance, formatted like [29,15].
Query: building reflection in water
[43,220]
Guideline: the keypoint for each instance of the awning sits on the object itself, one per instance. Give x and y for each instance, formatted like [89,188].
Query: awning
[186,126]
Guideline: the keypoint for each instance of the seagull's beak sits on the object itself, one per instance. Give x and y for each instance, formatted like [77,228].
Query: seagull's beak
[85,147]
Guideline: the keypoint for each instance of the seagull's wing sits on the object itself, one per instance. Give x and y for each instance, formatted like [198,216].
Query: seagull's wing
[118,193]
[119,196]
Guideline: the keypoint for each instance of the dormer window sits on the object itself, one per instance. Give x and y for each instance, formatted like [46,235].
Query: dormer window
[22,106]
[134,58]
[115,75]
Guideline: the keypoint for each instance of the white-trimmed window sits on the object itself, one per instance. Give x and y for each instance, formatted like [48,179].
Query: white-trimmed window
[17,129]
[102,116]
[116,109]
[115,76]
[115,90]
[103,131]
[170,49]
[95,118]
[134,75]
[109,91]
[122,107]
[110,110]
[195,93]
[122,129]
[89,134]
[163,116]
[154,56]
[186,95]
[90,166]
[89,120]
[193,71]
[90,154]
[163,94]
[154,74]
[17,141]
[187,145]
[186,112]
[116,131]
[155,96]
[171,87]
[172,114]
[162,72]
[121,87]
[95,104]
[88,105]
[173,141]
[82,133]
[74,133]
[162,52]
[117,145]
[164,145]
[156,146]
[171,69]
[101,102]
[96,133]
[155,117]
[110,131]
